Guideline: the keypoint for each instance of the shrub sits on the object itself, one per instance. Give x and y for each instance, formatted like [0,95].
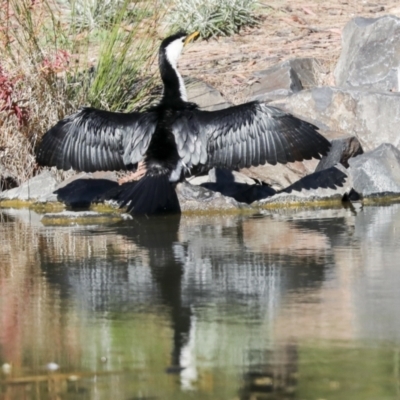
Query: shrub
[90,14]
[212,17]
[49,69]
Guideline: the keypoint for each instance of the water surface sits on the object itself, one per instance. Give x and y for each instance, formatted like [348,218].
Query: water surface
[285,305]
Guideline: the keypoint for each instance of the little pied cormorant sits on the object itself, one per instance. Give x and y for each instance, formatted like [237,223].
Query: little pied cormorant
[175,136]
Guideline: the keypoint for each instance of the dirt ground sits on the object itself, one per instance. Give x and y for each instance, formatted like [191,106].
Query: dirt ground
[288,29]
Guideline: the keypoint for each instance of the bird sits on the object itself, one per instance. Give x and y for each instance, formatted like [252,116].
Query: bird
[174,137]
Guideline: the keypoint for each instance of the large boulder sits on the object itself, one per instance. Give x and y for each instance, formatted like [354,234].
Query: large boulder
[40,189]
[283,79]
[376,173]
[340,152]
[373,117]
[82,189]
[220,175]
[370,56]
[193,198]
[233,184]
[204,95]
[280,176]
[326,186]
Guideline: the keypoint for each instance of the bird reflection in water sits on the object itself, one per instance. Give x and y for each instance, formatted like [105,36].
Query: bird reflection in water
[159,237]
[232,265]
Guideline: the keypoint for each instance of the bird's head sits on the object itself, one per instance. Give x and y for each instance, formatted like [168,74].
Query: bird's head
[172,46]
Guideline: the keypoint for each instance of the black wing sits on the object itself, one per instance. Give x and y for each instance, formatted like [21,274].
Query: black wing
[94,140]
[249,134]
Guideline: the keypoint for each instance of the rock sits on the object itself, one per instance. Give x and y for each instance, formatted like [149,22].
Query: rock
[204,95]
[83,189]
[222,175]
[376,172]
[199,199]
[82,218]
[40,189]
[233,184]
[198,179]
[370,56]
[241,192]
[198,91]
[372,117]
[340,152]
[329,185]
[284,79]
[330,178]
[279,176]
[7,179]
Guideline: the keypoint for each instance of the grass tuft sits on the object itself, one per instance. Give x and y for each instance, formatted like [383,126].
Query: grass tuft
[212,17]
[84,15]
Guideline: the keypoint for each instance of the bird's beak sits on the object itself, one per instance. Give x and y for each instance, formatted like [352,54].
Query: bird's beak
[191,37]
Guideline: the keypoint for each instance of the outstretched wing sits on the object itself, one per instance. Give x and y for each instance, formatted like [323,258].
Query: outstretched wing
[94,140]
[249,134]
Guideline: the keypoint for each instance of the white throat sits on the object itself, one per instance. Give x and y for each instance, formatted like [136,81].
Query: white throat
[173,52]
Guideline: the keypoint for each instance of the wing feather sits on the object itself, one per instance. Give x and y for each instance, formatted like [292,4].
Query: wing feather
[249,134]
[93,140]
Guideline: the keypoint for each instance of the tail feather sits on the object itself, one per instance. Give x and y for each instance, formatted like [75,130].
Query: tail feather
[150,195]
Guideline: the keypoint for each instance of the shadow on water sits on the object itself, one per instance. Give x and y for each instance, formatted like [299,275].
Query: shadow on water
[211,307]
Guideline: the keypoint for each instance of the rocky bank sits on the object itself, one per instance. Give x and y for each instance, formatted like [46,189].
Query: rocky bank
[360,115]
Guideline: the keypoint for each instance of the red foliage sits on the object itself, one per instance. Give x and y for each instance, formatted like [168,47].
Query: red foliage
[8,92]
[58,63]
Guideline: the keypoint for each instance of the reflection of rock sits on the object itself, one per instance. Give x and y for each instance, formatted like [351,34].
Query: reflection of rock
[282,238]
[376,289]
[359,296]
[82,218]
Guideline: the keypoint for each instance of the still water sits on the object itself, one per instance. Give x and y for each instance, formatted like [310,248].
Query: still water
[286,305]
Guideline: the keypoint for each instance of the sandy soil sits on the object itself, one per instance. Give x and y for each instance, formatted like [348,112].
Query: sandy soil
[288,29]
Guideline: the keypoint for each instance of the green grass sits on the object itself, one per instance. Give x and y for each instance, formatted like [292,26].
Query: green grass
[212,17]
